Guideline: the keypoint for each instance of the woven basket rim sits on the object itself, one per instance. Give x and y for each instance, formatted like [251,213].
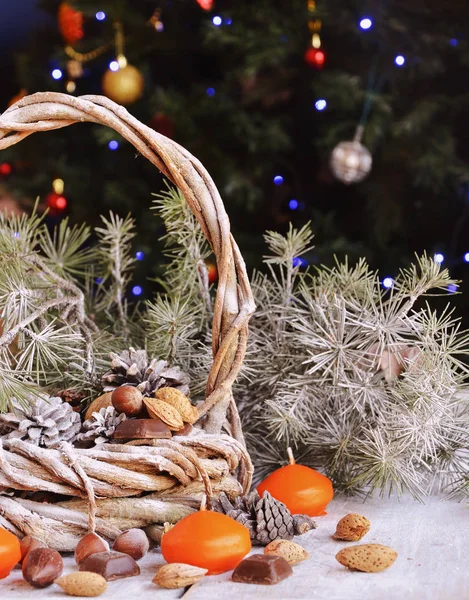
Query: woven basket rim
[234,303]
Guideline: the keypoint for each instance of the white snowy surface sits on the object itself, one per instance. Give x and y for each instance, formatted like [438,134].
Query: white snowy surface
[432,562]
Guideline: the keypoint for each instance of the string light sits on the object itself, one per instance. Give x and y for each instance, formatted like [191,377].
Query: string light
[466,257]
[452,288]
[137,290]
[438,258]
[278,180]
[61,203]
[453,42]
[400,60]
[320,104]
[113,145]
[99,280]
[57,74]
[5,168]
[228,21]
[299,261]
[114,65]
[210,92]
[388,282]
[366,23]
[139,255]
[217,21]
[293,204]
[100,15]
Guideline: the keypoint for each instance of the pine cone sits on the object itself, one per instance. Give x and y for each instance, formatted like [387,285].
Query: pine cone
[46,422]
[134,368]
[266,518]
[101,426]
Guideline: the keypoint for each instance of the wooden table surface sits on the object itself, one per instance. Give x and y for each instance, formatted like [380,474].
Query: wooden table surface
[432,562]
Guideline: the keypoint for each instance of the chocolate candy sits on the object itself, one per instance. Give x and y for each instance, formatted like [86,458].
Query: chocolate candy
[264,569]
[186,430]
[141,429]
[111,565]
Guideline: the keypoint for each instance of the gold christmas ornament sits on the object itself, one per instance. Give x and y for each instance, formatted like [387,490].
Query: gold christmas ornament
[124,86]
[351,161]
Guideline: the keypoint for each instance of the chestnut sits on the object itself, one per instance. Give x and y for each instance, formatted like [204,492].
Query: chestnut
[128,400]
[89,544]
[133,542]
[42,566]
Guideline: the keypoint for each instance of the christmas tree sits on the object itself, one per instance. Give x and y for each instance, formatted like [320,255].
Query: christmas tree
[262,92]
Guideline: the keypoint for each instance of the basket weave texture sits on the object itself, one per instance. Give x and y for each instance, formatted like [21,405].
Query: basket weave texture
[117,486]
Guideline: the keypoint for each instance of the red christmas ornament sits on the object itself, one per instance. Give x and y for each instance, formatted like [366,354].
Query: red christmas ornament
[56,203]
[163,124]
[70,23]
[205,4]
[315,58]
[212,273]
[5,169]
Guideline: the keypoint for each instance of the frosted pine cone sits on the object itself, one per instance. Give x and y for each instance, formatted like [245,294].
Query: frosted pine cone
[133,367]
[101,426]
[266,518]
[46,422]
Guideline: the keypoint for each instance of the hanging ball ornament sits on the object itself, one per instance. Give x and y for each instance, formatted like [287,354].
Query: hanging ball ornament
[351,161]
[70,23]
[124,86]
[315,57]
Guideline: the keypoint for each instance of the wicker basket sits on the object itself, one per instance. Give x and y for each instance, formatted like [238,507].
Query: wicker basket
[117,486]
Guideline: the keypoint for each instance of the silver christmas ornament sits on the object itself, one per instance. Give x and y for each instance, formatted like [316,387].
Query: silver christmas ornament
[351,161]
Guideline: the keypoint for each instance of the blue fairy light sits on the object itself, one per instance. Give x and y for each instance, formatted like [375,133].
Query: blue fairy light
[452,288]
[365,23]
[113,145]
[400,60]
[453,42]
[299,261]
[99,280]
[293,204]
[278,180]
[438,258]
[210,92]
[217,21]
[137,290]
[228,21]
[100,15]
[57,74]
[320,104]
[388,282]
[139,255]
[466,257]
[114,65]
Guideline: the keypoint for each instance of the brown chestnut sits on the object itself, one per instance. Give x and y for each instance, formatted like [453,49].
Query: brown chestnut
[133,542]
[128,400]
[89,544]
[42,566]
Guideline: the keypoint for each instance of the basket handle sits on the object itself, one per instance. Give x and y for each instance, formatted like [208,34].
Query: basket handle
[234,302]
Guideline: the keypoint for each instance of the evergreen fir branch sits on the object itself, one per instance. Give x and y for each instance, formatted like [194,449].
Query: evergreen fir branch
[173,325]
[115,252]
[66,249]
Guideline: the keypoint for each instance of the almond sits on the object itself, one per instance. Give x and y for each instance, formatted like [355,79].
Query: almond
[157,409]
[83,583]
[371,558]
[178,575]
[352,528]
[291,552]
[102,401]
[180,402]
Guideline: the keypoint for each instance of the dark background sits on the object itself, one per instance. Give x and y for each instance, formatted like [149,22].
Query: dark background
[262,121]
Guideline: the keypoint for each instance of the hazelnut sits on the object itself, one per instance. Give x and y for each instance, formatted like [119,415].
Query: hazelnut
[29,543]
[89,544]
[42,566]
[133,542]
[128,400]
